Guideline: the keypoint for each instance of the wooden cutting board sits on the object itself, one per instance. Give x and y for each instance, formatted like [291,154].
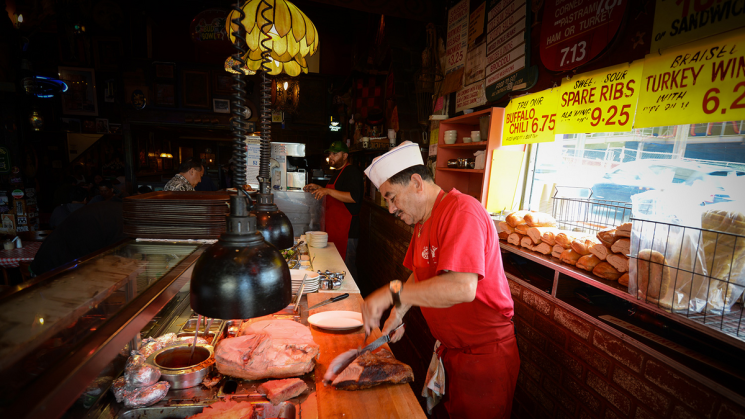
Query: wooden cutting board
[385,401]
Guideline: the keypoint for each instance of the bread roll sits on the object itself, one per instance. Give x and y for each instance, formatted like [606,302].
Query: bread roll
[536,233]
[516,218]
[570,257]
[652,277]
[588,262]
[622,246]
[539,219]
[624,230]
[565,238]
[548,236]
[582,245]
[619,261]
[600,250]
[557,250]
[522,229]
[624,279]
[544,248]
[504,227]
[526,242]
[606,271]
[515,239]
[503,235]
[607,236]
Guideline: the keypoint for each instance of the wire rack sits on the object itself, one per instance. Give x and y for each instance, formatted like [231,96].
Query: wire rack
[585,214]
[693,272]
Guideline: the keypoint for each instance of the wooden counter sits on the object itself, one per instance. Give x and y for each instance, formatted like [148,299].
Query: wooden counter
[385,401]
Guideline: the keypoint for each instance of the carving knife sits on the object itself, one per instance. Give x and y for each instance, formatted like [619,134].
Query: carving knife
[342,361]
[377,343]
[329,301]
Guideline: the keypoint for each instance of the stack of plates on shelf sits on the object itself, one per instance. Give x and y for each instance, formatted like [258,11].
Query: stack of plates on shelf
[317,238]
[312,283]
[176,215]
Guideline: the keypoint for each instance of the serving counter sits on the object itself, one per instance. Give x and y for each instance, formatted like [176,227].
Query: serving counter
[82,326]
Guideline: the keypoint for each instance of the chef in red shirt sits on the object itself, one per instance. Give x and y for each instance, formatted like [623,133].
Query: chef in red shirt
[457,280]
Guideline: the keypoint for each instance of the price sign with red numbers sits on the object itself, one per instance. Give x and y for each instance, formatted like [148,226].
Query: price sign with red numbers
[600,101]
[698,83]
[530,118]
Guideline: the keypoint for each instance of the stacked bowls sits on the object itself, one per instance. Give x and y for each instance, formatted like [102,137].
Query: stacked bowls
[317,238]
[312,283]
[451,136]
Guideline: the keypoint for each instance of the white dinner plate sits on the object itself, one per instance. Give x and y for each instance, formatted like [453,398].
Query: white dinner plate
[336,320]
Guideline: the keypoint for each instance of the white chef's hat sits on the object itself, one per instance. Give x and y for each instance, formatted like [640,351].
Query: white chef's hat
[407,154]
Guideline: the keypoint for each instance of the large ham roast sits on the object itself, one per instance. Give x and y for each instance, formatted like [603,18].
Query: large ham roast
[268,349]
[372,369]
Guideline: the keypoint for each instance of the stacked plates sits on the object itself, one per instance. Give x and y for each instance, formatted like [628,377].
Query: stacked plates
[317,238]
[176,215]
[312,283]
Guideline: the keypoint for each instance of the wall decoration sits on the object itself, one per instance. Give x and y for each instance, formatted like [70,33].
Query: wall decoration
[89,126]
[196,89]
[221,105]
[457,38]
[115,128]
[222,82]
[209,26]
[80,98]
[678,22]
[110,91]
[164,71]
[102,126]
[71,125]
[106,52]
[165,95]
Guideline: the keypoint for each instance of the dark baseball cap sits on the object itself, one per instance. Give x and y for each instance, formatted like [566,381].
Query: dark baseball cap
[337,146]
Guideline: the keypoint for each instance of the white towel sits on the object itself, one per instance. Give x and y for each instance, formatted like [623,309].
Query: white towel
[434,385]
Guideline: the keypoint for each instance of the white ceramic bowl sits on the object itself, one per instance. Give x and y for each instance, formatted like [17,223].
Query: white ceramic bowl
[450,140]
[453,131]
[466,139]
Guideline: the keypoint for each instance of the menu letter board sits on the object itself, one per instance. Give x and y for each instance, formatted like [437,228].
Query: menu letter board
[457,37]
[600,101]
[531,118]
[505,47]
[470,97]
[697,83]
[476,25]
[677,22]
[576,31]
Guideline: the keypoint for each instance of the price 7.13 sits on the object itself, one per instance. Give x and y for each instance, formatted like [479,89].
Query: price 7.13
[537,125]
[609,117]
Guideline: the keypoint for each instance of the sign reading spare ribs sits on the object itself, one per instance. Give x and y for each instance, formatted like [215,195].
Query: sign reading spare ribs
[505,47]
[576,31]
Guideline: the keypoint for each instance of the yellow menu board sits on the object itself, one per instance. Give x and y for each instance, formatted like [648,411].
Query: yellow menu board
[530,118]
[701,82]
[600,101]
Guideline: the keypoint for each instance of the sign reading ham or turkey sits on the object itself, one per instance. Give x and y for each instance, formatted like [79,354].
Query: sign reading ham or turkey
[576,31]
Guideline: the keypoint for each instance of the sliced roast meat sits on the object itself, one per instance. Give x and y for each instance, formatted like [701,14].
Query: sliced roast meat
[372,369]
[278,391]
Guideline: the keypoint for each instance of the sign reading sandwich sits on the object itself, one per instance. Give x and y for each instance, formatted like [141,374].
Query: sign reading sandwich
[600,101]
[530,118]
[696,83]
[679,21]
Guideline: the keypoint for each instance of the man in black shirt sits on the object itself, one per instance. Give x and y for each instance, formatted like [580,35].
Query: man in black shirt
[343,204]
[86,230]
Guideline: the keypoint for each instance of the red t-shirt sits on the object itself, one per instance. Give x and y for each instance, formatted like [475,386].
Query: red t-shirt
[461,237]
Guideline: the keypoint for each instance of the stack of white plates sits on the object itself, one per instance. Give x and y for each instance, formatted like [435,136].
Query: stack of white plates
[317,238]
[312,283]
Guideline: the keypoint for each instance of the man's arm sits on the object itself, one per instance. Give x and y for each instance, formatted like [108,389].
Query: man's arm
[334,193]
[441,291]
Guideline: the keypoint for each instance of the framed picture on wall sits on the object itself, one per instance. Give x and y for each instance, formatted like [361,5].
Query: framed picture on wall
[80,98]
[165,94]
[196,89]
[221,105]
[102,126]
[222,82]
[164,71]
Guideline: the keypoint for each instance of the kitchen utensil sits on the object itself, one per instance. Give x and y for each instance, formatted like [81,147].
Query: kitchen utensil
[182,369]
[336,320]
[196,335]
[342,361]
[462,163]
[453,163]
[300,293]
[377,343]
[329,301]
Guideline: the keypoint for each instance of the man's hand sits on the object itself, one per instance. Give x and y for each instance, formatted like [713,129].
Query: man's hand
[393,321]
[320,193]
[374,306]
[310,187]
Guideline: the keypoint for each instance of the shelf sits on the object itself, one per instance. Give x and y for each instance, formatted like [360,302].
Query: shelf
[448,169]
[480,144]
[471,118]
[710,326]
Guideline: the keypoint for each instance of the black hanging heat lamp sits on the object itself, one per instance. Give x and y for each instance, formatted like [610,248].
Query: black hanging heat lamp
[243,275]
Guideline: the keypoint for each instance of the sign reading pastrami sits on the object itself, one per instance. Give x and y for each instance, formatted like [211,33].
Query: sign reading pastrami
[576,31]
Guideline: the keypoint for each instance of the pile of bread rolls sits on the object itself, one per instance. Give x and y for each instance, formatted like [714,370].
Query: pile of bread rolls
[604,254]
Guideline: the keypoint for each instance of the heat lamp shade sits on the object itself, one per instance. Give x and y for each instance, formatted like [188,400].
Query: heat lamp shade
[276,228]
[240,282]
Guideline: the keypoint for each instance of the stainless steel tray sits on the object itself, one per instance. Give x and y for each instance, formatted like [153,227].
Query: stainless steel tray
[263,410]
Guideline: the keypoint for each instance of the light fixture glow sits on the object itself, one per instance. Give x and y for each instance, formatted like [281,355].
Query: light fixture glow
[20,20]
[285,85]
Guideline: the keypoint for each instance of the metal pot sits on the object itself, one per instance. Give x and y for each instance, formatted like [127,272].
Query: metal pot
[177,368]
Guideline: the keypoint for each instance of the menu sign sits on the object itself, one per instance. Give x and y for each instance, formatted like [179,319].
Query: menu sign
[600,101]
[476,24]
[701,82]
[530,119]
[470,97]
[457,37]
[576,31]
[677,22]
[505,47]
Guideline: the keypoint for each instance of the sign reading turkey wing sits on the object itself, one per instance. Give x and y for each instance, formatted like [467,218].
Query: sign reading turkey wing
[576,31]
